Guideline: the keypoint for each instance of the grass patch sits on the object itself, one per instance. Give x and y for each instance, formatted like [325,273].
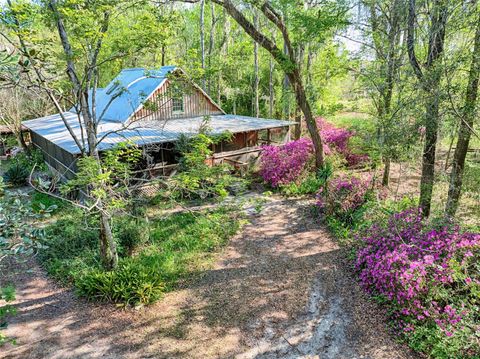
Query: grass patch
[358,121]
[178,246]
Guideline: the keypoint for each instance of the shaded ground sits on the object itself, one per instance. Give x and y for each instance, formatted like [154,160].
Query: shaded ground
[281,289]
[405,181]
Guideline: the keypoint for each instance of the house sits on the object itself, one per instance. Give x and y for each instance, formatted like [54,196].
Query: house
[153,109]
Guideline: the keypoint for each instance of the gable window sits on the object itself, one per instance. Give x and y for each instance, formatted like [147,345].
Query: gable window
[177,104]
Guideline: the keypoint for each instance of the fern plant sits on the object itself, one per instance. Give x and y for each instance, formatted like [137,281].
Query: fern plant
[16,174]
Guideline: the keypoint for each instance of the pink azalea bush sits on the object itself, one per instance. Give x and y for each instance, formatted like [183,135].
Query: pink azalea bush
[281,165]
[343,195]
[285,164]
[430,277]
[336,140]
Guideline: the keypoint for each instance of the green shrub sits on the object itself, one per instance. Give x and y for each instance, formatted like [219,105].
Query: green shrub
[130,233]
[16,174]
[130,283]
[33,158]
[7,294]
[309,185]
[197,179]
[41,199]
[179,245]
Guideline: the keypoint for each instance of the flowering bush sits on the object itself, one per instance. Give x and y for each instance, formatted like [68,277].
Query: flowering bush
[282,165]
[285,164]
[336,139]
[431,279]
[343,195]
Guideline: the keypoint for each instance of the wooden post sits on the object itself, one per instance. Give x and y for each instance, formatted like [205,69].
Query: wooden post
[163,162]
[268,136]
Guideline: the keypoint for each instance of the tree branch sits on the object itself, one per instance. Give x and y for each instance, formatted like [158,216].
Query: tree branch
[411,40]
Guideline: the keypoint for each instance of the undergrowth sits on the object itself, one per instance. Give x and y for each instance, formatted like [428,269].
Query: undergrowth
[176,247]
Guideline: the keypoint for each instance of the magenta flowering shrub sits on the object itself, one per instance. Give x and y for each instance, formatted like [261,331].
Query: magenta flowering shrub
[431,279]
[354,159]
[343,195]
[285,164]
[336,139]
[281,165]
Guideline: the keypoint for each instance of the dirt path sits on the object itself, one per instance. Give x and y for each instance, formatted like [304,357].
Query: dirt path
[281,289]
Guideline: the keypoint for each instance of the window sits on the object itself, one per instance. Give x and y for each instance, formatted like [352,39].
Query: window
[177,104]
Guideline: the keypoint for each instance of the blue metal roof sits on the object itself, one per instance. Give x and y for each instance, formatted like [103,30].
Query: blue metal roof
[53,129]
[129,90]
[117,102]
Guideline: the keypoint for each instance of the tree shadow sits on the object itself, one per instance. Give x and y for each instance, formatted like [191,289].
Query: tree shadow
[282,271]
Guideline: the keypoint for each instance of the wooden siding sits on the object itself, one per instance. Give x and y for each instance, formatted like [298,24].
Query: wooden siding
[159,104]
[56,157]
[239,140]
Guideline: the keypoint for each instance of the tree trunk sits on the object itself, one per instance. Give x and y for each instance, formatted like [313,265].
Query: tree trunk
[430,83]
[223,53]
[449,151]
[386,172]
[21,141]
[466,127]
[163,54]
[286,91]
[81,89]
[298,127]
[211,44]
[108,247]
[288,64]
[386,27]
[270,89]
[256,80]
[429,152]
[304,105]
[202,41]
[308,73]
[299,53]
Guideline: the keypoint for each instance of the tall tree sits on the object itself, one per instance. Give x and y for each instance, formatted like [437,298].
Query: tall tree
[429,73]
[202,41]
[256,77]
[81,87]
[271,93]
[466,127]
[211,43]
[288,62]
[385,22]
[81,33]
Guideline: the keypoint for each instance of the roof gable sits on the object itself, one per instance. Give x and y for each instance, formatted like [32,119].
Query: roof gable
[122,97]
[125,94]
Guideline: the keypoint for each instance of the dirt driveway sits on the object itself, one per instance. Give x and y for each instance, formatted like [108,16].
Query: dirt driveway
[281,289]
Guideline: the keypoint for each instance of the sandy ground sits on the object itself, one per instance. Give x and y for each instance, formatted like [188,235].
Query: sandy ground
[281,289]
